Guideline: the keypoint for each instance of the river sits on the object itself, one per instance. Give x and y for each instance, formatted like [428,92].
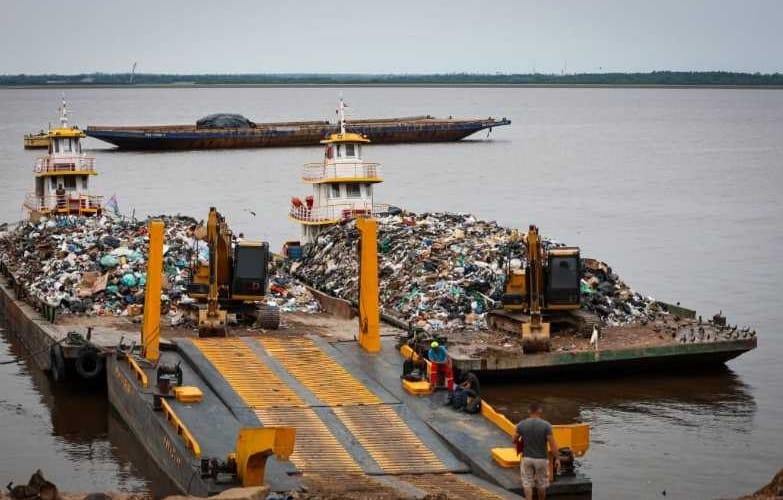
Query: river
[678,189]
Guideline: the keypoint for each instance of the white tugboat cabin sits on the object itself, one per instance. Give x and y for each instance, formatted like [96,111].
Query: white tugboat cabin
[62,176]
[342,185]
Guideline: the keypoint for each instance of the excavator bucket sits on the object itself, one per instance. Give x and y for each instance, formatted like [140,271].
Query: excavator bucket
[215,325]
[535,337]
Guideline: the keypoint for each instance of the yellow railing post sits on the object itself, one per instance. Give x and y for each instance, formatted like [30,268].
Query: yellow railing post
[369,307]
[150,328]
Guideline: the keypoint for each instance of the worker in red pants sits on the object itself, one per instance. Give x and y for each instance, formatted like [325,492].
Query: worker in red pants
[440,364]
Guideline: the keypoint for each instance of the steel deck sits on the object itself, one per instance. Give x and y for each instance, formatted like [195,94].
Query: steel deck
[344,427]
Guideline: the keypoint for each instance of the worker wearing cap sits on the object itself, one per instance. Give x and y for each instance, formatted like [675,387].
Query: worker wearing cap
[440,364]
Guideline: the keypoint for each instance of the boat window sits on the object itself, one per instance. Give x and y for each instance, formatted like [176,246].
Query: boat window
[335,190]
[339,151]
[350,150]
[353,190]
[84,182]
[70,182]
[54,182]
[368,190]
[358,151]
[56,145]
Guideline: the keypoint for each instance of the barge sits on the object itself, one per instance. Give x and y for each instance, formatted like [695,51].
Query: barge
[409,129]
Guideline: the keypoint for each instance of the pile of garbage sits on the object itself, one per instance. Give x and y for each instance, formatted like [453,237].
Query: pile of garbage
[95,266]
[98,266]
[446,270]
[614,302]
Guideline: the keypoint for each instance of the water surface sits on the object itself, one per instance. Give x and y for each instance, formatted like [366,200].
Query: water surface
[678,189]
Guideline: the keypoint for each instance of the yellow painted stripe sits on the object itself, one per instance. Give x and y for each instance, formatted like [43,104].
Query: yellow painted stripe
[450,486]
[322,375]
[255,383]
[316,448]
[388,440]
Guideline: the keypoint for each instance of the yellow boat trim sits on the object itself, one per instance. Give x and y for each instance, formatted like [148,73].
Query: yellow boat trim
[255,383]
[314,223]
[180,427]
[331,180]
[65,173]
[346,137]
[140,375]
[67,132]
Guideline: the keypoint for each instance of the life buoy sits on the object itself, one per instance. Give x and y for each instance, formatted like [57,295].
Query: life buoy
[57,363]
[296,202]
[89,364]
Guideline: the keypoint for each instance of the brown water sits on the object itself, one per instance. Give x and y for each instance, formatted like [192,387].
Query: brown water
[677,189]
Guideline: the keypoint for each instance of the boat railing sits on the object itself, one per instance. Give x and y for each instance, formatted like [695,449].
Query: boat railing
[336,213]
[67,203]
[319,171]
[75,163]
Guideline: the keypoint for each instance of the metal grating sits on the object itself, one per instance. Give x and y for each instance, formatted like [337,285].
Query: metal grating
[450,486]
[388,440]
[323,376]
[316,448]
[255,383]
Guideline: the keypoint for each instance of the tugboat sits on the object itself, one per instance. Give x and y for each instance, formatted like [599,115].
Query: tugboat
[342,184]
[62,176]
[38,140]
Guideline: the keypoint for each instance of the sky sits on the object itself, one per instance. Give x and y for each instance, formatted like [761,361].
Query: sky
[391,36]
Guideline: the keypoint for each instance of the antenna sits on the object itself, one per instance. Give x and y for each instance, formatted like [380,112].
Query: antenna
[133,72]
[64,113]
[342,114]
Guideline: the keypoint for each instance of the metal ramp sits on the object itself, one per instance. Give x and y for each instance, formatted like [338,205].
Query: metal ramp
[343,427]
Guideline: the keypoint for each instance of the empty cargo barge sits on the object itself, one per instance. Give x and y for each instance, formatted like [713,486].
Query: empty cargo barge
[302,133]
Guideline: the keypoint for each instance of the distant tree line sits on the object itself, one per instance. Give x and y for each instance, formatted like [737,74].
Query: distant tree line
[696,78]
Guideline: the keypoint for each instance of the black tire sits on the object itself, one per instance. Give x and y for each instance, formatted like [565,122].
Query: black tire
[89,364]
[57,363]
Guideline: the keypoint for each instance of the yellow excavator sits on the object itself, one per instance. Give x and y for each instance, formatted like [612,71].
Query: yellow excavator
[233,281]
[546,288]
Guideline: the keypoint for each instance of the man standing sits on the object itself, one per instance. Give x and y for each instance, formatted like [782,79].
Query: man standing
[535,433]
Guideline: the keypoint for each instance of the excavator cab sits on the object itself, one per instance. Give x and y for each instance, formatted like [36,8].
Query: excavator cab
[249,273]
[233,281]
[548,283]
[563,279]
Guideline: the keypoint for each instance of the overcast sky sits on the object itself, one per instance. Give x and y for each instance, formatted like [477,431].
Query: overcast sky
[390,36]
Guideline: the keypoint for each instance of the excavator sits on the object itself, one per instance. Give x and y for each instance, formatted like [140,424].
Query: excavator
[233,281]
[546,289]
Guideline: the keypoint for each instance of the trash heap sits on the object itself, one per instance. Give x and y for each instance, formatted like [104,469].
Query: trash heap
[98,266]
[614,302]
[95,266]
[446,270]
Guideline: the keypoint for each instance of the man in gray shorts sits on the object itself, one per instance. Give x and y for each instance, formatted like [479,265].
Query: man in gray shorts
[535,433]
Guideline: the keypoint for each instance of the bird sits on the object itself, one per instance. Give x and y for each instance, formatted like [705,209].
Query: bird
[250,212]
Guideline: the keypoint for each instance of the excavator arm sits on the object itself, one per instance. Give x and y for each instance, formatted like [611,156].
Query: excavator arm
[535,333]
[212,320]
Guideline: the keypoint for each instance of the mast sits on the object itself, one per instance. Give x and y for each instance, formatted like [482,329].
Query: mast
[342,115]
[64,113]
